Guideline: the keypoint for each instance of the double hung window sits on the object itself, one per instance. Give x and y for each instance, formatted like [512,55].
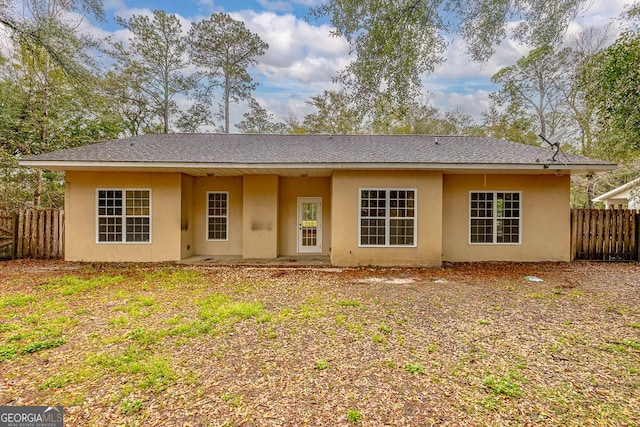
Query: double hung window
[124,216]
[217,215]
[387,217]
[495,217]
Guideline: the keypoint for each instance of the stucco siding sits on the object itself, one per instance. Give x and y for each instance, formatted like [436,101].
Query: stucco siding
[260,216]
[290,190]
[545,218]
[345,248]
[186,217]
[81,217]
[232,246]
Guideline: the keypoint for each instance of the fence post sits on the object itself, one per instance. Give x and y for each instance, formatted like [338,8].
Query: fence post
[15,235]
[574,233]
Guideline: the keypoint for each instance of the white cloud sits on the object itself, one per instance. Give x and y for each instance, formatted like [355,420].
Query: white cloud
[297,49]
[472,102]
[303,57]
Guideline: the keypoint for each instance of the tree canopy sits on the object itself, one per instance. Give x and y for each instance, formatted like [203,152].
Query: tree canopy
[395,42]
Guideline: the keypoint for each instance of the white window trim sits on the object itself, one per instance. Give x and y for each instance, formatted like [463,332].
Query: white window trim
[124,216]
[495,222]
[206,217]
[387,217]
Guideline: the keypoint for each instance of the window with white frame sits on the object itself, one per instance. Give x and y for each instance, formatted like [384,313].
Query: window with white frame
[387,217]
[217,215]
[124,215]
[494,217]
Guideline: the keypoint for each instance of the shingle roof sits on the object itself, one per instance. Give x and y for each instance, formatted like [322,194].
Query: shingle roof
[234,149]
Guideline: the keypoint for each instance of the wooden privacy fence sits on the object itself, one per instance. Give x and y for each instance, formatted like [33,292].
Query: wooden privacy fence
[604,234]
[8,232]
[33,233]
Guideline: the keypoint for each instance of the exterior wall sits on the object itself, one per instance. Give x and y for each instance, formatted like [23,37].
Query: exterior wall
[260,216]
[81,217]
[345,212]
[290,190]
[233,245]
[186,217]
[545,218]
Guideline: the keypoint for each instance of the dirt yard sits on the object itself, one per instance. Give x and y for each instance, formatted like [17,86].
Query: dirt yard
[469,344]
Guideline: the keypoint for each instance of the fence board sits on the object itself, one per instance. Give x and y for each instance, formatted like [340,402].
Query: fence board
[40,233]
[8,224]
[609,235]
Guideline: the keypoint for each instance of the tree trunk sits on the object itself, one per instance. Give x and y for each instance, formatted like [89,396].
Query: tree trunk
[37,195]
[591,185]
[226,103]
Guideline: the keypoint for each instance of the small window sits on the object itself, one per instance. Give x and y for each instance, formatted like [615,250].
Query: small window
[124,216]
[494,217]
[387,217]
[217,215]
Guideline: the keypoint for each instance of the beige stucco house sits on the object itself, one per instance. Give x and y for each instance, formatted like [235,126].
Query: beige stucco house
[411,200]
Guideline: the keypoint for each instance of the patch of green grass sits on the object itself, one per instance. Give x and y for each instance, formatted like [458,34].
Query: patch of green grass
[349,303]
[71,285]
[490,402]
[622,346]
[18,337]
[130,407]
[634,325]
[155,371]
[390,364]
[7,352]
[354,416]
[631,343]
[231,398]
[32,319]
[484,322]
[432,347]
[414,368]
[16,300]
[119,363]
[321,365]
[143,336]
[312,309]
[42,345]
[378,339]
[56,381]
[145,301]
[385,329]
[8,327]
[118,321]
[504,386]
[219,308]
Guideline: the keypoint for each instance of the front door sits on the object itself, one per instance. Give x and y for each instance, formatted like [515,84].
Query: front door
[309,224]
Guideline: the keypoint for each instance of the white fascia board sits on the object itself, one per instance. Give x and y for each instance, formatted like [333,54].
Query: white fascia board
[617,190]
[71,165]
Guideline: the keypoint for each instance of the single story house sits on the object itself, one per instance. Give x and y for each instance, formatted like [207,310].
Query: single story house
[410,200]
[625,196]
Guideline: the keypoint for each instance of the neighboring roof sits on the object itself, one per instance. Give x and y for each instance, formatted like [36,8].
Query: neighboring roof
[219,152]
[617,191]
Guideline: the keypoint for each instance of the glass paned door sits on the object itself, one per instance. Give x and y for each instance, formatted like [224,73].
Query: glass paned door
[309,224]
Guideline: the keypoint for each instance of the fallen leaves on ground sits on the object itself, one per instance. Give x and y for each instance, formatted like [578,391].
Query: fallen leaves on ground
[468,344]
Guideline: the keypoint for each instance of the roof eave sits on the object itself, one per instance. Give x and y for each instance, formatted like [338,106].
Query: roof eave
[88,165]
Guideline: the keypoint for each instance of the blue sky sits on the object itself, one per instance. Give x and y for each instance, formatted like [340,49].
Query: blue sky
[303,57]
